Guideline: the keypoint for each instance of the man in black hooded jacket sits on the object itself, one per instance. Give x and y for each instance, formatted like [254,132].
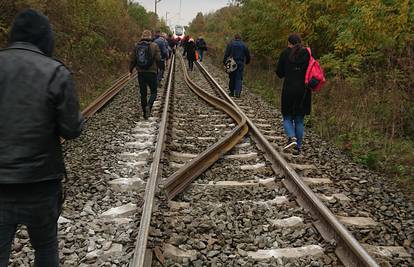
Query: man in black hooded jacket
[38,104]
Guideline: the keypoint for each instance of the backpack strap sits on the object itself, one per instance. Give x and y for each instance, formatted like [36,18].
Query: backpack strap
[309,50]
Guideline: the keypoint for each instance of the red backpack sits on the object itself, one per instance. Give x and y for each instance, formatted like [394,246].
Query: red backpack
[314,78]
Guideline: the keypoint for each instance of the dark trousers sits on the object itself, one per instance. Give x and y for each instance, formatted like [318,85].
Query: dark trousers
[37,208]
[161,70]
[147,79]
[191,64]
[236,80]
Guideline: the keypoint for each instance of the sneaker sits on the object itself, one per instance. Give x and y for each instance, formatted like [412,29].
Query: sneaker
[296,153]
[291,143]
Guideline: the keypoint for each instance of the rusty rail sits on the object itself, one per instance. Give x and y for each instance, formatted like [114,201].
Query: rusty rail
[141,256]
[348,249]
[177,182]
[99,102]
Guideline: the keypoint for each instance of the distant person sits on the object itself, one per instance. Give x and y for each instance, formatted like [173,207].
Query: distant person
[184,43]
[237,50]
[145,58]
[161,42]
[201,47]
[296,98]
[38,104]
[172,43]
[190,51]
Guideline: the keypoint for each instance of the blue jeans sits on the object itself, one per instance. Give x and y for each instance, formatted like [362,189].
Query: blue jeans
[200,54]
[39,211]
[236,80]
[294,127]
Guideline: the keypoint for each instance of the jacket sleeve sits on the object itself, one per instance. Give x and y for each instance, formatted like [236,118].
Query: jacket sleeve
[133,61]
[247,54]
[164,50]
[226,54]
[280,69]
[69,119]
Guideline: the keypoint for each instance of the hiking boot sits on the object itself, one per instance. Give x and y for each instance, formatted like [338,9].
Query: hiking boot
[291,143]
[296,153]
[148,111]
[238,94]
[145,115]
[231,94]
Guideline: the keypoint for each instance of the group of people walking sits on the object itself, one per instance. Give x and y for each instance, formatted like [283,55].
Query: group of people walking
[296,96]
[40,92]
[193,51]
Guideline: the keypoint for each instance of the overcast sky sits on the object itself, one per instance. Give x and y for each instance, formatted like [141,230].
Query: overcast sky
[189,9]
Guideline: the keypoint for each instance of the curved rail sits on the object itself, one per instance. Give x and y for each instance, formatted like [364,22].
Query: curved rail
[348,249]
[98,103]
[140,256]
[177,182]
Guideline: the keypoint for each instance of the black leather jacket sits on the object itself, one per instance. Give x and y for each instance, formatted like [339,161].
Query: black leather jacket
[38,104]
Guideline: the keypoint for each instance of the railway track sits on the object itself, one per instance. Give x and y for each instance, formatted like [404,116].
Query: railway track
[241,210]
[257,170]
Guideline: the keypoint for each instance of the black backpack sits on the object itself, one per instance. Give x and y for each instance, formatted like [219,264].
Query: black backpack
[143,54]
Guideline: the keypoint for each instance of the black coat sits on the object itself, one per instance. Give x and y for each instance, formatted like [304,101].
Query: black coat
[201,44]
[38,104]
[190,51]
[296,98]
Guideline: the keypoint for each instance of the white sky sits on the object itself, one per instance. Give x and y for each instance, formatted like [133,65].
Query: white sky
[189,9]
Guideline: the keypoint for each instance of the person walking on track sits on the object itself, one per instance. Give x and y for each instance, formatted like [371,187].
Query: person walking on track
[190,51]
[163,45]
[201,47]
[296,98]
[146,58]
[38,104]
[236,50]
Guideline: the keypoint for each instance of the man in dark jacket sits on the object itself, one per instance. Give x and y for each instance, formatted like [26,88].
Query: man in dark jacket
[201,47]
[163,45]
[38,104]
[147,75]
[238,50]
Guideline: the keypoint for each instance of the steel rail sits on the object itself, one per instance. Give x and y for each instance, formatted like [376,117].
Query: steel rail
[99,102]
[348,249]
[178,181]
[140,255]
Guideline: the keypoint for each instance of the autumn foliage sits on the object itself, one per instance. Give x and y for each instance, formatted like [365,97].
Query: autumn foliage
[93,37]
[365,46]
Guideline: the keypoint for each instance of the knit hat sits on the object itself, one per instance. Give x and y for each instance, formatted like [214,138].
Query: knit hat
[33,27]
[146,34]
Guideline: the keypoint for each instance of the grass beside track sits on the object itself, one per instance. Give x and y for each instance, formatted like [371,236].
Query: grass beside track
[392,157]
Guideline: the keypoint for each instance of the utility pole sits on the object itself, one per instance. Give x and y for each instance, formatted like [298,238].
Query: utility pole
[156,2]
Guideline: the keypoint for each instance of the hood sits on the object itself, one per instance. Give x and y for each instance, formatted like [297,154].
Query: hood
[33,27]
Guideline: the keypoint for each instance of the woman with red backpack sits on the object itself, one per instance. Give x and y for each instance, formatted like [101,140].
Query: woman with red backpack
[296,96]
